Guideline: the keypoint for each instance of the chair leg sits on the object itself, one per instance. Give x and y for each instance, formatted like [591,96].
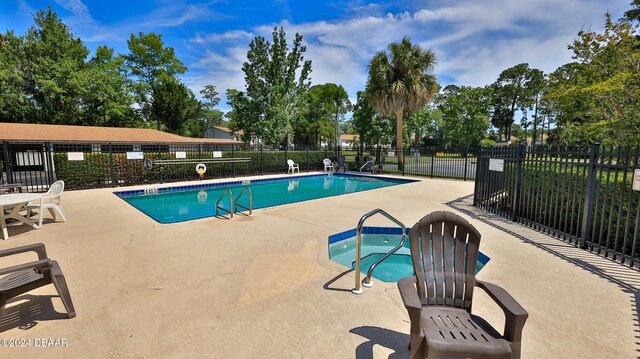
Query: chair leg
[59,209]
[63,291]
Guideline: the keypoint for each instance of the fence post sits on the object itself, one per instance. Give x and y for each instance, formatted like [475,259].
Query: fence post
[476,183]
[261,160]
[587,214]
[515,202]
[7,162]
[433,155]
[114,181]
[307,158]
[466,162]
[233,155]
[48,153]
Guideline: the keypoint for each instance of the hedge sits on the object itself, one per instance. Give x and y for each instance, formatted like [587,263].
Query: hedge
[554,198]
[104,169]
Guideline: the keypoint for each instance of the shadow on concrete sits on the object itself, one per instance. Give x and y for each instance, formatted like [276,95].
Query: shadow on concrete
[398,342]
[627,278]
[27,310]
[327,286]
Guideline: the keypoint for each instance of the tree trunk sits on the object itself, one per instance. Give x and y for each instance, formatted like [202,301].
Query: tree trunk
[399,144]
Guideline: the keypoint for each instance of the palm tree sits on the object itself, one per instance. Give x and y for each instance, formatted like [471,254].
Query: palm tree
[399,82]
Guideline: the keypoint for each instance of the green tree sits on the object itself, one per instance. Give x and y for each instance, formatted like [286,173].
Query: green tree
[212,116]
[511,90]
[54,70]
[420,123]
[14,106]
[174,105]
[465,114]
[537,88]
[399,82]
[276,78]
[326,106]
[372,129]
[316,123]
[106,99]
[634,13]
[149,61]
[596,98]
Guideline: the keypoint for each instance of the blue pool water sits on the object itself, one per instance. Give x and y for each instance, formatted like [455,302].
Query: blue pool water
[376,242]
[178,204]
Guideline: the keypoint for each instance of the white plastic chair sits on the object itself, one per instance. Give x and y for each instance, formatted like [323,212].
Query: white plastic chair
[49,201]
[328,165]
[292,166]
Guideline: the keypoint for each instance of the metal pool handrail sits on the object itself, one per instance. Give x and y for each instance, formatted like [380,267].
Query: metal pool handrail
[250,208]
[358,289]
[231,207]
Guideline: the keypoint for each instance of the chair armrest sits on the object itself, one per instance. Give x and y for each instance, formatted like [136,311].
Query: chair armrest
[515,315]
[37,247]
[45,263]
[409,293]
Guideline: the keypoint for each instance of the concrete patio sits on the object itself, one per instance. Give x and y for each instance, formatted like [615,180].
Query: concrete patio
[263,286]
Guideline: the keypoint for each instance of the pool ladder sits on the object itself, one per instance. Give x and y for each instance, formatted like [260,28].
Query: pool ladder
[367,280]
[233,204]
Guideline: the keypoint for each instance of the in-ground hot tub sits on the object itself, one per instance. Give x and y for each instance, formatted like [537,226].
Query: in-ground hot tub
[376,242]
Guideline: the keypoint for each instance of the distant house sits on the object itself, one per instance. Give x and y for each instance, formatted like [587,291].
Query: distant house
[222,133]
[539,141]
[347,141]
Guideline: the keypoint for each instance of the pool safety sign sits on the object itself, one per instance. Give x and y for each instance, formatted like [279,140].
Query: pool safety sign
[135,155]
[496,164]
[636,179]
[75,156]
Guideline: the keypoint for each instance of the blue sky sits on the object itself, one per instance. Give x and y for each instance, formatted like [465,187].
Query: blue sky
[474,39]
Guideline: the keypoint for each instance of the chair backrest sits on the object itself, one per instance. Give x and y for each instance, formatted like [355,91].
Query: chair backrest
[340,160]
[56,189]
[290,162]
[444,247]
[327,162]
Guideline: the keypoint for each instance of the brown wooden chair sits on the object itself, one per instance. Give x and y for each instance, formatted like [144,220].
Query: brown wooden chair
[25,277]
[444,251]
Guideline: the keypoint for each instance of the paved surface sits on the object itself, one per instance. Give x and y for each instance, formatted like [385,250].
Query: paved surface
[263,286]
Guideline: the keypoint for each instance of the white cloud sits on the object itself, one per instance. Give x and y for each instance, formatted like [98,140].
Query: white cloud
[474,41]
[216,38]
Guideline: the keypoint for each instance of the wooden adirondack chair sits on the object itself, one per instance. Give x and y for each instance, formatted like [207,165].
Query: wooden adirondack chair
[444,251]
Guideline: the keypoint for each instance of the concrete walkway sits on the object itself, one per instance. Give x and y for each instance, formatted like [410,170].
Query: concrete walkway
[263,286]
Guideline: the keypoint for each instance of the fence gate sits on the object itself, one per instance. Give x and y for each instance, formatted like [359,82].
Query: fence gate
[496,172]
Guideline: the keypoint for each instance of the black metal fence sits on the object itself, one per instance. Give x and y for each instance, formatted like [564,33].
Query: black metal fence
[37,165]
[583,195]
[433,162]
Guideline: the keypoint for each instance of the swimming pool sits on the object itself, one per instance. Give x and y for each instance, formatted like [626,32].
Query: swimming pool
[376,242]
[178,204]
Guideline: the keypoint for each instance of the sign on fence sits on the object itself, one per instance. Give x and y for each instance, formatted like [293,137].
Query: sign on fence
[391,154]
[181,154]
[217,154]
[135,155]
[75,156]
[496,164]
[636,179]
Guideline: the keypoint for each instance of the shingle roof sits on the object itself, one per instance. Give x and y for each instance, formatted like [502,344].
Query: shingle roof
[228,130]
[24,132]
[347,137]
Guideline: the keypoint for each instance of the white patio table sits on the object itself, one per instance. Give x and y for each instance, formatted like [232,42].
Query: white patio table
[14,203]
